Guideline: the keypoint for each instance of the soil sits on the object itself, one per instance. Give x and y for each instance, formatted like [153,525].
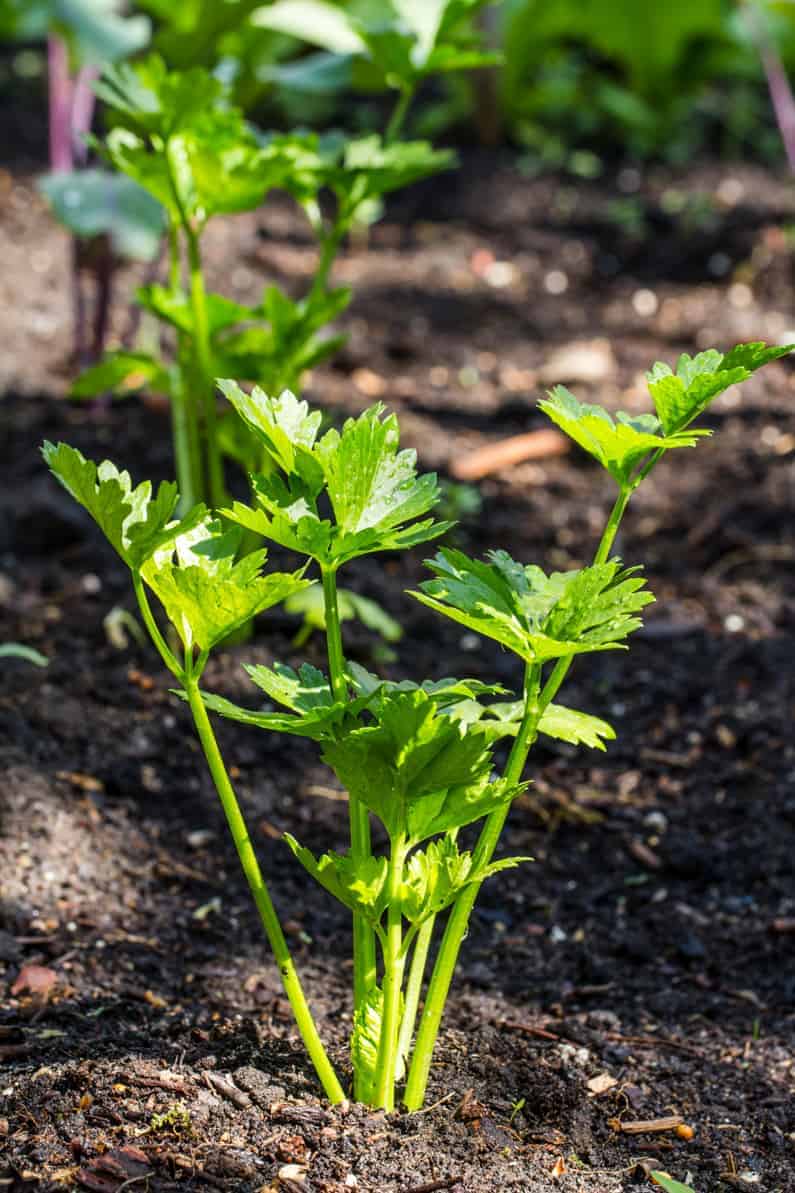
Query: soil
[649,945]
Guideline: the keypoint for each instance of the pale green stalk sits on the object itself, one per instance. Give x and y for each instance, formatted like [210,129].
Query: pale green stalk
[458,922]
[394,962]
[189,677]
[364,969]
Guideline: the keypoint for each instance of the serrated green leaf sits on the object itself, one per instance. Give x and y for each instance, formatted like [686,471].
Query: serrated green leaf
[314,713]
[206,591]
[370,482]
[444,692]
[358,884]
[536,616]
[372,486]
[619,445]
[284,425]
[122,374]
[366,1037]
[433,877]
[315,21]
[174,307]
[681,396]
[415,769]
[134,522]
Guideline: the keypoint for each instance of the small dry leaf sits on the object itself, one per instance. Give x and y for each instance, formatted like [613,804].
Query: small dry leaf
[85,1102]
[154,1000]
[558,1169]
[83,782]
[601,1083]
[37,979]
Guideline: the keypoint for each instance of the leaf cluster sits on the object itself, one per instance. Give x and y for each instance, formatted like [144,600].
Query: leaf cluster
[394,45]
[624,445]
[371,486]
[537,616]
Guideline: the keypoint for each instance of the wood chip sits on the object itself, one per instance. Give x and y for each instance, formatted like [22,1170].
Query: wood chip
[558,1169]
[601,1084]
[506,453]
[35,979]
[642,1126]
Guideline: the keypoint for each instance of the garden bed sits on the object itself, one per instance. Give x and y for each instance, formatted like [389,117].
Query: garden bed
[651,941]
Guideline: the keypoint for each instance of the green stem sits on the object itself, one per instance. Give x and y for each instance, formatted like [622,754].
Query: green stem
[330,243]
[204,364]
[394,962]
[267,912]
[364,971]
[413,990]
[152,626]
[398,117]
[184,428]
[458,922]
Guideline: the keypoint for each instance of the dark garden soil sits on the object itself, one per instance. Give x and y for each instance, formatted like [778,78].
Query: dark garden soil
[650,946]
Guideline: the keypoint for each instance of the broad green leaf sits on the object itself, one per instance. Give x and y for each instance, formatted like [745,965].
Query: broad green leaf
[322,24]
[206,591]
[681,396]
[95,203]
[134,522]
[557,721]
[373,487]
[667,1183]
[536,616]
[415,769]
[18,650]
[122,374]
[370,482]
[358,884]
[97,31]
[445,692]
[620,446]
[153,100]
[284,425]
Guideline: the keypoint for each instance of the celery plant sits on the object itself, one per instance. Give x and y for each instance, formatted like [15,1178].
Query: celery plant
[176,135]
[422,758]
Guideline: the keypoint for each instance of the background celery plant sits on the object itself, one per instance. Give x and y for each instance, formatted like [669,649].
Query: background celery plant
[419,757]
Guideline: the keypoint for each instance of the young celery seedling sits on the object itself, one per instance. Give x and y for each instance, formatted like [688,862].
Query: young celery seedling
[419,757]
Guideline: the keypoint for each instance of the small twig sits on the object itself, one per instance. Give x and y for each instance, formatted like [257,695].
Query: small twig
[654,1042]
[432,1186]
[528,1030]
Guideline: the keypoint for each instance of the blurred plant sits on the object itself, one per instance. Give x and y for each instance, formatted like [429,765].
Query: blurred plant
[109,218]
[17,650]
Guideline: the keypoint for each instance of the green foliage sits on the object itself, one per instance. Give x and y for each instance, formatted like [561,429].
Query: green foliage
[423,757]
[134,521]
[683,395]
[372,486]
[669,1184]
[416,769]
[536,616]
[96,31]
[620,445]
[206,589]
[97,203]
[310,605]
[401,42]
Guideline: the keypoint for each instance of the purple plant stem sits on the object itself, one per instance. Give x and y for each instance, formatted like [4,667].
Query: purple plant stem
[777,84]
[83,103]
[60,104]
